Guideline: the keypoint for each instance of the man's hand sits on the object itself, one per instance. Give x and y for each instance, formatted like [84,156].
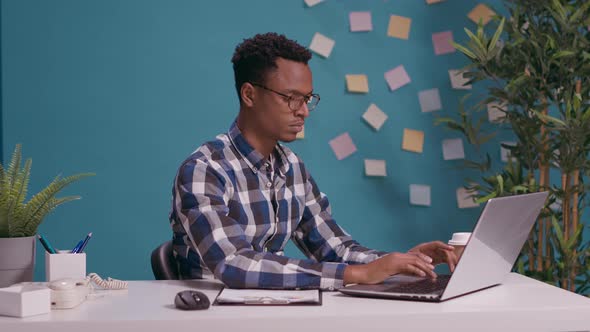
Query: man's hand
[415,263]
[439,252]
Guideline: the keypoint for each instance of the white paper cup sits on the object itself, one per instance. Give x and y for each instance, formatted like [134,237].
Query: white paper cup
[459,241]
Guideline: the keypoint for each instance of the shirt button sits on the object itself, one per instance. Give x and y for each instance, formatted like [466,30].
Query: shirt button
[269,184]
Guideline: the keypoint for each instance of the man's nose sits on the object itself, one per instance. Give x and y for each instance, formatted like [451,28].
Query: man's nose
[303,111]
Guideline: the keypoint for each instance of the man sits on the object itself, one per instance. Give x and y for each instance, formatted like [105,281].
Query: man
[238,200]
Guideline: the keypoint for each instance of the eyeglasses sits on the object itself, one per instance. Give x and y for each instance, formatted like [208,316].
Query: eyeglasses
[295,102]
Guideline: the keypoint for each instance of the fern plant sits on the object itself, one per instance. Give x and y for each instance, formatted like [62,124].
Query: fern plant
[17,217]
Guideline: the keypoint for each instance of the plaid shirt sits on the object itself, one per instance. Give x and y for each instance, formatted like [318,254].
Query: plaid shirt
[233,212]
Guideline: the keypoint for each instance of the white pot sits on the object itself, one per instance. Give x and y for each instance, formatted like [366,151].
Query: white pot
[17,259]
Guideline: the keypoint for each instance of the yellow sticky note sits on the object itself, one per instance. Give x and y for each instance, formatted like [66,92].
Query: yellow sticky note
[413,140]
[301,134]
[399,27]
[481,12]
[357,83]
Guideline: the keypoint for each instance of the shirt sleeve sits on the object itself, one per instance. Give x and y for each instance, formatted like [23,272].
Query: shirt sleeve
[202,198]
[318,235]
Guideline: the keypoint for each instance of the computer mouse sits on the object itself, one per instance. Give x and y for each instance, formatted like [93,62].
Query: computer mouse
[191,300]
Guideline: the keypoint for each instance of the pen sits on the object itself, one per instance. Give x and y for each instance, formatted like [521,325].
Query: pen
[46,244]
[77,247]
[81,249]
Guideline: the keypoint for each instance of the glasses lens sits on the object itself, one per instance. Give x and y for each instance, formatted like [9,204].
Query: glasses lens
[313,102]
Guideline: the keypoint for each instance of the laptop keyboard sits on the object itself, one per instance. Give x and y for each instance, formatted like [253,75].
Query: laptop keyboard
[424,286]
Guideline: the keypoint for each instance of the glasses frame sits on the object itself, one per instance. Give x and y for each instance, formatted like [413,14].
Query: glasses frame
[290,99]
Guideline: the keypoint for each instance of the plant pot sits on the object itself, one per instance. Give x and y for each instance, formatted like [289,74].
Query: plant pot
[17,259]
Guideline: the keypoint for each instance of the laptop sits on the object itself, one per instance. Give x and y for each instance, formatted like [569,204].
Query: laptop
[494,245]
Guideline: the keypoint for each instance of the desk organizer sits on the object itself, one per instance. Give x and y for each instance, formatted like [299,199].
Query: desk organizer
[65,265]
[23,301]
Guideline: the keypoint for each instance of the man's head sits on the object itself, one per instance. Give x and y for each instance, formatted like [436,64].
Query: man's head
[274,85]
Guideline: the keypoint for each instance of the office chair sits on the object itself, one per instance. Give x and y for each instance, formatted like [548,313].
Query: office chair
[163,262]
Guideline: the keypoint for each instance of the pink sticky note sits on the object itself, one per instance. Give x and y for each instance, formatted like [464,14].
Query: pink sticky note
[360,21]
[397,77]
[442,42]
[342,146]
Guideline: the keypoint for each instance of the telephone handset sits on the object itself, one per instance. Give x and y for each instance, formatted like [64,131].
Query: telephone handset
[68,293]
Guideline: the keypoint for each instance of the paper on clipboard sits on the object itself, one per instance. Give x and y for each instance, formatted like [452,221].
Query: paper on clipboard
[268,297]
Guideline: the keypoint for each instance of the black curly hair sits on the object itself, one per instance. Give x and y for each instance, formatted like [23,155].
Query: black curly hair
[256,56]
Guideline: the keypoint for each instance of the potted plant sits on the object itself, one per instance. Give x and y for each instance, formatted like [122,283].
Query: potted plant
[19,219]
[537,69]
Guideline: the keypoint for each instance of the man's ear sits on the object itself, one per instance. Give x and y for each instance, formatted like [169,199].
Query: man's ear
[247,93]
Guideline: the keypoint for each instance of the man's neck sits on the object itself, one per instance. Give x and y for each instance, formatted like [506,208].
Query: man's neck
[260,143]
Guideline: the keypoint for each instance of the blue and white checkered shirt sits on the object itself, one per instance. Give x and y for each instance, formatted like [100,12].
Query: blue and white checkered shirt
[233,212]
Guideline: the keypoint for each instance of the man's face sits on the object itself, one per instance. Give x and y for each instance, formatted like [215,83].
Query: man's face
[277,120]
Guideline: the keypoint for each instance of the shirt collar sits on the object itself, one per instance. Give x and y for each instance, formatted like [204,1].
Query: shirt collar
[253,158]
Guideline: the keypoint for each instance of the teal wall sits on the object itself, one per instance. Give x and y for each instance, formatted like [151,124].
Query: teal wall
[127,89]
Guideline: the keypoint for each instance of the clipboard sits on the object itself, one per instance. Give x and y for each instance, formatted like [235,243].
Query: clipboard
[266,297]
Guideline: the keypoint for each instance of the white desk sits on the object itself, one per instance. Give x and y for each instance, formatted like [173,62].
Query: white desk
[520,304]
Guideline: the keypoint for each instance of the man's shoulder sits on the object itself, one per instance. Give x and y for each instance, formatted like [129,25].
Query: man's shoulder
[216,151]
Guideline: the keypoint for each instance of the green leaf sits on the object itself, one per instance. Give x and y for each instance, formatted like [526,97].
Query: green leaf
[496,36]
[464,50]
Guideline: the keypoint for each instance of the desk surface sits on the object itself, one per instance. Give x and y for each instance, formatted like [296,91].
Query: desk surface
[519,304]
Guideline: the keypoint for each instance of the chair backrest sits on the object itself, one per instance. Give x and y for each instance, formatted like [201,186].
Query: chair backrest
[163,262]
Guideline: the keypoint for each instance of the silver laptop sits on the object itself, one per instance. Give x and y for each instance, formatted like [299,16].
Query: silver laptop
[499,235]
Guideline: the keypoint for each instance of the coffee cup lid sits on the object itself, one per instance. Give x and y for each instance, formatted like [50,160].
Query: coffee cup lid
[459,239]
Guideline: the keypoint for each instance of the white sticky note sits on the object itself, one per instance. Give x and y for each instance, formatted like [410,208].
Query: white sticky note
[375,117]
[397,77]
[374,167]
[495,112]
[311,3]
[453,149]
[464,199]
[419,194]
[360,21]
[505,153]
[429,100]
[322,45]
[342,146]
[458,81]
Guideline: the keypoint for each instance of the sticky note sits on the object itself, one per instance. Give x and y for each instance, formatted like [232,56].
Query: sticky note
[505,153]
[453,149]
[360,21]
[496,112]
[399,27]
[458,81]
[419,194]
[397,77]
[311,3]
[442,42]
[301,134]
[481,12]
[322,45]
[429,100]
[375,167]
[413,140]
[342,146]
[464,199]
[357,83]
[374,116]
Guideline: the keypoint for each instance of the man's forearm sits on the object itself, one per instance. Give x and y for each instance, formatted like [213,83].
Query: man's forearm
[354,274]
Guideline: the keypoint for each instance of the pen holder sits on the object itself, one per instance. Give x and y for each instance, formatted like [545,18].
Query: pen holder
[64,264]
